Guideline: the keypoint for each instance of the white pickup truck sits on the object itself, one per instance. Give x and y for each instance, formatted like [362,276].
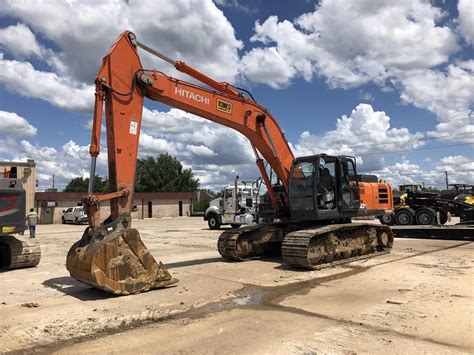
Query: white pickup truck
[74,215]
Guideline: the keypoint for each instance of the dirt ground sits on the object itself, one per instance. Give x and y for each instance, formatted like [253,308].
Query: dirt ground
[418,298]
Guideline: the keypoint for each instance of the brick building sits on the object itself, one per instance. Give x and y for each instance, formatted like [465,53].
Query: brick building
[50,205]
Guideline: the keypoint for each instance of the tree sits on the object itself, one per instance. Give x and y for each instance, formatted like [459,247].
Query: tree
[202,204]
[164,174]
[101,185]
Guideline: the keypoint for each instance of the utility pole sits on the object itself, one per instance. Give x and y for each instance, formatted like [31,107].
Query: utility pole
[447,185]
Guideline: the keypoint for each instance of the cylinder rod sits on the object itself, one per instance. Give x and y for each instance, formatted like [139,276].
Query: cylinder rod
[92,175]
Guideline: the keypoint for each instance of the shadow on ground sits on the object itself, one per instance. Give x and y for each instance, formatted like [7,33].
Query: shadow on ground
[71,287]
[193,262]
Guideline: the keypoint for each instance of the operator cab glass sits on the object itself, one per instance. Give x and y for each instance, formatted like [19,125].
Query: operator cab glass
[324,187]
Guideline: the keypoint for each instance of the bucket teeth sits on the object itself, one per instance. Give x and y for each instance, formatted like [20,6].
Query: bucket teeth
[118,263]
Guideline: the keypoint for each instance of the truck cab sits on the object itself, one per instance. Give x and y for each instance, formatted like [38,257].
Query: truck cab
[238,205]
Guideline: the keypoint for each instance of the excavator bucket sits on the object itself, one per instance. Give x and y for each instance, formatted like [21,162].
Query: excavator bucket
[116,261]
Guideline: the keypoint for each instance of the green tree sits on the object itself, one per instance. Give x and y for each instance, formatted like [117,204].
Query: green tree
[164,174]
[101,185]
[204,201]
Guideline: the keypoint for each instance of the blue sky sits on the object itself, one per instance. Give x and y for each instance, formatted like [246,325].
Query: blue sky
[389,82]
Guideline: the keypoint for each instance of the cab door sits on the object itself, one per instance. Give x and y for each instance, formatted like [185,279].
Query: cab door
[302,186]
[349,191]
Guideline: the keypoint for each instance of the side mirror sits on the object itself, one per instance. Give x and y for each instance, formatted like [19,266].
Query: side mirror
[64,211]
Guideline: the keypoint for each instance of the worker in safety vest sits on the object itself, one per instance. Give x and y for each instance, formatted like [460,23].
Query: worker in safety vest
[32,220]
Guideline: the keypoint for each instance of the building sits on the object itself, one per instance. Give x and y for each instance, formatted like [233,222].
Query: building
[50,205]
[26,172]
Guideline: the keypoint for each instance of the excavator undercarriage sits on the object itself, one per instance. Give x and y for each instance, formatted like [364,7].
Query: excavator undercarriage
[313,247]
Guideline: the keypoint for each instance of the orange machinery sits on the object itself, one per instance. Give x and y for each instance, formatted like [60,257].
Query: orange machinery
[313,199]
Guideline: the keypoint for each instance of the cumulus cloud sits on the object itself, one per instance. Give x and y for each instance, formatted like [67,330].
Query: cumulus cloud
[449,94]
[195,31]
[365,133]
[460,170]
[23,78]
[395,45]
[70,161]
[13,125]
[466,20]
[20,41]
[354,42]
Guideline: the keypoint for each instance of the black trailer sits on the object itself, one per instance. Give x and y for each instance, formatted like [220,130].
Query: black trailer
[461,231]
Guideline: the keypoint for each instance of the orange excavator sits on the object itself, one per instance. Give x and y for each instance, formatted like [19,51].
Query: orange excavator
[313,198]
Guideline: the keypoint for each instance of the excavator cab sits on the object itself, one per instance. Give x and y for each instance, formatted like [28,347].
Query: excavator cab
[324,187]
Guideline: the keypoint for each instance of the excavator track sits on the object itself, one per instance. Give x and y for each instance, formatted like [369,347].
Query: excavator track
[18,252]
[312,248]
[251,241]
[331,245]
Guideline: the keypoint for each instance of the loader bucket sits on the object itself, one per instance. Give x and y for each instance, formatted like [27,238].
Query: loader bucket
[116,260]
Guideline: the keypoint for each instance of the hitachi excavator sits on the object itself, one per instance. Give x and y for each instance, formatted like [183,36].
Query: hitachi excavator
[313,199]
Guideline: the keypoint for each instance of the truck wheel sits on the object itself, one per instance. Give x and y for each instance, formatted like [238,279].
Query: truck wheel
[235,225]
[77,221]
[404,217]
[213,222]
[387,219]
[425,216]
[63,220]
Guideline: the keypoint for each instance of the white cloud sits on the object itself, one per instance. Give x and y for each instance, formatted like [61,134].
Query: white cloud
[20,41]
[355,42]
[13,125]
[23,78]
[449,94]
[69,162]
[201,150]
[195,31]
[460,170]
[400,45]
[235,4]
[267,66]
[365,133]
[466,20]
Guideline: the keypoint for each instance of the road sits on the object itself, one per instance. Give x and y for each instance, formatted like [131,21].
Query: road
[418,298]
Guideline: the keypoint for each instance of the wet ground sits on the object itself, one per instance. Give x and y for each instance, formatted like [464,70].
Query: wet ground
[419,298]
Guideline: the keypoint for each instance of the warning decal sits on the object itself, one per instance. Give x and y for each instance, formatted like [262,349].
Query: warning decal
[224,106]
[133,127]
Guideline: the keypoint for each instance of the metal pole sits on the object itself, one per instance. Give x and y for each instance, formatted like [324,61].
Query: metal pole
[447,185]
[53,181]
[92,175]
